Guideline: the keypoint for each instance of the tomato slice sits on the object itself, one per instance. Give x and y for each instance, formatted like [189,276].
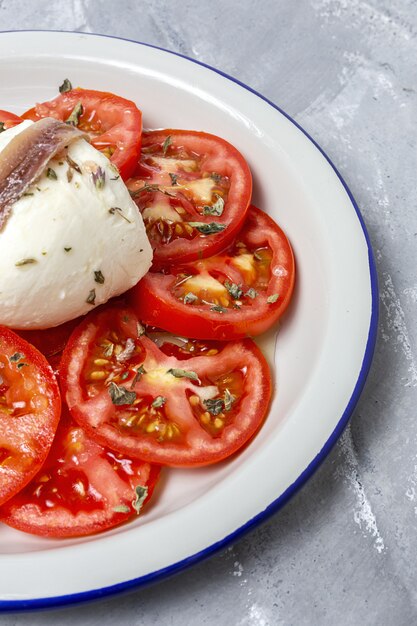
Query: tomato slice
[113,123]
[30,405]
[193,190]
[8,120]
[240,292]
[82,488]
[140,400]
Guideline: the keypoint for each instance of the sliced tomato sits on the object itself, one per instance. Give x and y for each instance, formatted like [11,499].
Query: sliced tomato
[8,120]
[114,124]
[140,400]
[30,405]
[82,488]
[238,293]
[193,190]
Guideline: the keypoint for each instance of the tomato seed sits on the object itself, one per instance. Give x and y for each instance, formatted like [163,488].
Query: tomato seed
[205,417]
[130,421]
[101,362]
[98,375]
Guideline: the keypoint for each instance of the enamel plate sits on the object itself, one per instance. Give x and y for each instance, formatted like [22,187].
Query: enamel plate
[319,357]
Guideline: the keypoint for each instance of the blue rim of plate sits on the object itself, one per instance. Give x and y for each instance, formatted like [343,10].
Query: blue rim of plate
[276,505]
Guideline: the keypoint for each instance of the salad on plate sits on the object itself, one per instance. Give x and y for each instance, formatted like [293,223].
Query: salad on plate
[134,274]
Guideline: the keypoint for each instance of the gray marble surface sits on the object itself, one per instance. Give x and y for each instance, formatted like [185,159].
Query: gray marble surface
[343,551]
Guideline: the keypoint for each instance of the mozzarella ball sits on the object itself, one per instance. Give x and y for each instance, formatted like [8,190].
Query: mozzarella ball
[74,240]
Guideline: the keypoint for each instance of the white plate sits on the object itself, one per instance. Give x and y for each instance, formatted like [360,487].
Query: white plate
[320,357]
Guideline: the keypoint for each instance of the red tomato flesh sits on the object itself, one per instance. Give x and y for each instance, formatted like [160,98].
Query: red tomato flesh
[8,120]
[193,190]
[50,341]
[30,405]
[113,123]
[135,398]
[82,488]
[238,293]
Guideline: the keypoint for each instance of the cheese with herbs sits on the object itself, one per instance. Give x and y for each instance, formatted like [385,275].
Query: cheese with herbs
[72,241]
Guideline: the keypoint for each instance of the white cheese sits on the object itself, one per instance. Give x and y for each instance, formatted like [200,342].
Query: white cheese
[60,233]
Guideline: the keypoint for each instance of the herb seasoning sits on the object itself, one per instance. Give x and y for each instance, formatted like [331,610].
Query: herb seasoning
[50,173]
[99,178]
[179,373]
[120,395]
[66,86]
[141,495]
[273,298]
[118,211]
[190,297]
[166,144]
[74,118]
[234,290]
[215,209]
[25,262]
[158,402]
[91,298]
[98,276]
[208,229]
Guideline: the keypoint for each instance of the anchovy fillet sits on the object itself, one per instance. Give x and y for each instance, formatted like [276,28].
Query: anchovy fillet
[25,157]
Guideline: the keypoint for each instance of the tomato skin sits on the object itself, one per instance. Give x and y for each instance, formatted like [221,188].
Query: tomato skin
[9,119]
[89,402]
[214,155]
[51,504]
[154,302]
[30,391]
[113,122]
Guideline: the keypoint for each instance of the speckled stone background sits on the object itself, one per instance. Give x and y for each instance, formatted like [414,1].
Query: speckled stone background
[344,551]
